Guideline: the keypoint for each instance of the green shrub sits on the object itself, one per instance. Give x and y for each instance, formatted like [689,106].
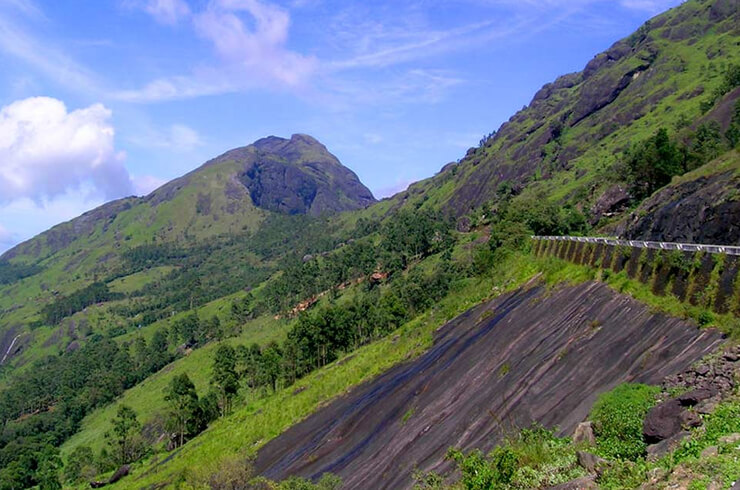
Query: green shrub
[705,318]
[618,416]
[533,458]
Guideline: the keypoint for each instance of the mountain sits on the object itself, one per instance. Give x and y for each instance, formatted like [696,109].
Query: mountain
[568,142]
[268,287]
[226,194]
[200,221]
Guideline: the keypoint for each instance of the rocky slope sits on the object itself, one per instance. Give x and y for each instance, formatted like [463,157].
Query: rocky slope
[529,356]
[567,141]
[702,207]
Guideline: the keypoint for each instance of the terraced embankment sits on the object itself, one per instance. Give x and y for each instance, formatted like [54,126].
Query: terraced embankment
[532,355]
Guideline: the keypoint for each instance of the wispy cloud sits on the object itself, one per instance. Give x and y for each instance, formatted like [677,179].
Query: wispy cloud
[176,138]
[249,39]
[25,7]
[48,60]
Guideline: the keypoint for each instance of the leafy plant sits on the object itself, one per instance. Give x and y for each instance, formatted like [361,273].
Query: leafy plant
[618,416]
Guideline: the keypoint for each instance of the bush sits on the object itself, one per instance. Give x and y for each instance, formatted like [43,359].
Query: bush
[533,458]
[618,417]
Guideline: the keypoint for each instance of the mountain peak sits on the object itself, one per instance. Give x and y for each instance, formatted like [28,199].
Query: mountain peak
[300,176]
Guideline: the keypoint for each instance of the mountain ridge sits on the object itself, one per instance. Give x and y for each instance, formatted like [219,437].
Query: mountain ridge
[317,169]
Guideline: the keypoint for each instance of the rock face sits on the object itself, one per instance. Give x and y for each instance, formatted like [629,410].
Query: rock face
[664,421]
[704,210]
[524,357]
[584,434]
[613,200]
[299,176]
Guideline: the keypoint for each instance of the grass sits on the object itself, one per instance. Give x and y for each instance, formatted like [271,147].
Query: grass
[147,398]
[134,282]
[259,420]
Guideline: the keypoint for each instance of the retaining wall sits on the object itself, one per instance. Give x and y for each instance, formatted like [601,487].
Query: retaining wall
[702,275]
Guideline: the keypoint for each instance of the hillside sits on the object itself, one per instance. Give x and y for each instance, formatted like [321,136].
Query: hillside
[568,143]
[239,310]
[230,196]
[482,375]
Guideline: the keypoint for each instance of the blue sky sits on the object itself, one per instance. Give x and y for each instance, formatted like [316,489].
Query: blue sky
[101,99]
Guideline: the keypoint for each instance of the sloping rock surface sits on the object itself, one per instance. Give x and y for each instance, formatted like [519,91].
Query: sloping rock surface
[533,355]
[704,210]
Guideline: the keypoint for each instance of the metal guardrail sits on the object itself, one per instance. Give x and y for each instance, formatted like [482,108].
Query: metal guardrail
[684,247]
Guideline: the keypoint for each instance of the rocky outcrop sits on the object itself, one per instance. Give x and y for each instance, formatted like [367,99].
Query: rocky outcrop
[668,419]
[611,201]
[703,210]
[527,356]
[707,382]
[299,176]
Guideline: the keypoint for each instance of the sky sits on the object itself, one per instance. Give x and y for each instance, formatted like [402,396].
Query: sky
[105,99]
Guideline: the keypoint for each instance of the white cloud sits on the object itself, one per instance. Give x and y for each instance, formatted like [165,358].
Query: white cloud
[45,151]
[183,138]
[167,11]
[249,38]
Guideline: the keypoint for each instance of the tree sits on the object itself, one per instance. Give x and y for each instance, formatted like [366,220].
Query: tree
[184,415]
[122,438]
[653,163]
[47,474]
[248,363]
[79,460]
[224,376]
[271,361]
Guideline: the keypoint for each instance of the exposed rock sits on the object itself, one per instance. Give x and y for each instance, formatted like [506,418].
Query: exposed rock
[584,434]
[731,356]
[704,210]
[378,277]
[730,439]
[709,451]
[690,419]
[657,451]
[554,382]
[693,397]
[614,199]
[120,473]
[663,421]
[463,224]
[590,462]
[299,176]
[707,406]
